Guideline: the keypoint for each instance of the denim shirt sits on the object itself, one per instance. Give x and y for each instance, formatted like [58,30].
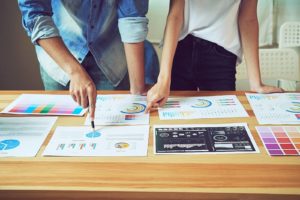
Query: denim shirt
[98,26]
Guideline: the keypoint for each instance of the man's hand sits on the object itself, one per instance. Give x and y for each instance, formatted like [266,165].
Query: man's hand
[82,87]
[83,91]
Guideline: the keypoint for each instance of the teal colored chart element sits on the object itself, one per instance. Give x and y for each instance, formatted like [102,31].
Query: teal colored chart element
[295,108]
[9,144]
[93,134]
[202,103]
[134,108]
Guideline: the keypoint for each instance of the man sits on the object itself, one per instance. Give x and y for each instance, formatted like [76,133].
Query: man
[79,45]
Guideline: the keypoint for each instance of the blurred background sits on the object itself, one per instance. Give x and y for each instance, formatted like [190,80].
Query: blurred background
[279,45]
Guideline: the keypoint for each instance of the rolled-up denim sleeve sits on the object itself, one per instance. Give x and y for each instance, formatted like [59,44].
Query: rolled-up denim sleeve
[133,23]
[37,20]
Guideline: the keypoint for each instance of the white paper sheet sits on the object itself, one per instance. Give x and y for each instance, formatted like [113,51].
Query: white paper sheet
[226,106]
[120,110]
[233,138]
[105,141]
[281,108]
[44,104]
[23,136]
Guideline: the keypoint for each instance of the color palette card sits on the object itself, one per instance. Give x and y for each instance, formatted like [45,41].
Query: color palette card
[23,136]
[281,108]
[104,141]
[121,109]
[44,104]
[226,106]
[280,140]
[204,139]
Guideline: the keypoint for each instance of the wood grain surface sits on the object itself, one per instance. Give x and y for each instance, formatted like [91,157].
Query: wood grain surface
[240,176]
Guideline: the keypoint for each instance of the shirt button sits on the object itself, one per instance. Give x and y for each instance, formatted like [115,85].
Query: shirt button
[95,6]
[90,43]
[92,26]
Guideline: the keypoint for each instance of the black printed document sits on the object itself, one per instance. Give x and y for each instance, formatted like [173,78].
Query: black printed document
[204,139]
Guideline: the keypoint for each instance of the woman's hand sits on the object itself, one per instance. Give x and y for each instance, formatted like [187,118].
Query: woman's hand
[265,89]
[158,95]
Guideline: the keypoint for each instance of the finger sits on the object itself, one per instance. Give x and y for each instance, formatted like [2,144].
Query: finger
[78,98]
[149,102]
[84,98]
[274,90]
[92,102]
[152,105]
[74,97]
[279,90]
[163,101]
[155,105]
[148,108]
[152,110]
[71,91]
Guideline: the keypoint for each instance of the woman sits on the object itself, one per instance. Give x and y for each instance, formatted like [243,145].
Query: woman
[212,36]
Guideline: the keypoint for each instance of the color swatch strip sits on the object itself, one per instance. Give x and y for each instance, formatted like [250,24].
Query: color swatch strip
[280,140]
[46,109]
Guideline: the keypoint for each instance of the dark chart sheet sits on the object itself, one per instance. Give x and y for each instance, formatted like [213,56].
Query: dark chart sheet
[204,139]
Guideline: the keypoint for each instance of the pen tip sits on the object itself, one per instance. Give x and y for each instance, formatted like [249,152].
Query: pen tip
[93,126]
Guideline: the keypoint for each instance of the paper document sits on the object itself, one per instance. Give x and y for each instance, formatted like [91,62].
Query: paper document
[281,108]
[122,109]
[23,136]
[44,104]
[280,140]
[204,139]
[105,141]
[226,106]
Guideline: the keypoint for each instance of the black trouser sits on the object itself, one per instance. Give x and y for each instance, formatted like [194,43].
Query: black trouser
[200,64]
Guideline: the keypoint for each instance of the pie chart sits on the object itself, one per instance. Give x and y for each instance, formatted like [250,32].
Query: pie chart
[202,103]
[294,108]
[134,108]
[93,134]
[9,144]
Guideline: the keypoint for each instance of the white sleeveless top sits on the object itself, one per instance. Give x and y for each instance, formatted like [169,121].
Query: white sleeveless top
[215,21]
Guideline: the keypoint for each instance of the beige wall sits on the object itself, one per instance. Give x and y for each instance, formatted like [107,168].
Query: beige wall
[19,69]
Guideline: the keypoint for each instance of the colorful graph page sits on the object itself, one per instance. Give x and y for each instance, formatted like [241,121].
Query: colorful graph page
[23,136]
[226,106]
[204,139]
[120,110]
[104,141]
[280,140]
[44,104]
[281,108]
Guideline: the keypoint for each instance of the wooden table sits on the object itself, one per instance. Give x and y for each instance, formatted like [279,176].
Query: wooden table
[246,176]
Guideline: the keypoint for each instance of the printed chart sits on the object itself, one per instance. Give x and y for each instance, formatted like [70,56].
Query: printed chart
[23,136]
[9,144]
[281,108]
[34,104]
[105,141]
[204,139]
[120,110]
[280,140]
[202,107]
